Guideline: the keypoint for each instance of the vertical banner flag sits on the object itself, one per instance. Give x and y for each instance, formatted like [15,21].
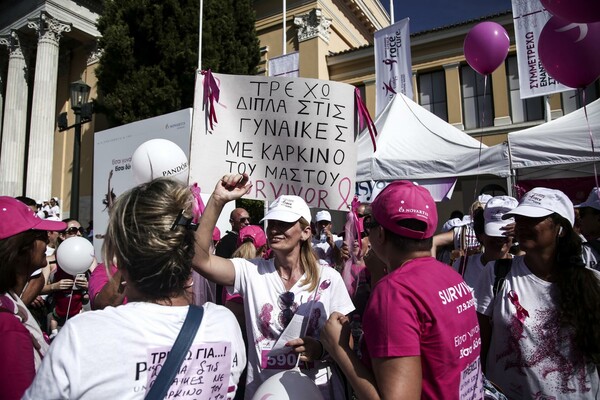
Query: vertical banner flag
[292,136]
[285,65]
[529,19]
[393,63]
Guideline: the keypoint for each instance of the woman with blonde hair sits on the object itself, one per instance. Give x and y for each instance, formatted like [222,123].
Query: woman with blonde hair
[150,237]
[289,286]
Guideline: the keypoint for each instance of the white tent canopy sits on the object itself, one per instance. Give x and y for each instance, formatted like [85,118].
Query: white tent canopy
[565,140]
[413,143]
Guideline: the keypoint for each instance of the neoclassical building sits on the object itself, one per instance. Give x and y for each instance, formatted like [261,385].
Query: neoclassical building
[46,46]
[49,44]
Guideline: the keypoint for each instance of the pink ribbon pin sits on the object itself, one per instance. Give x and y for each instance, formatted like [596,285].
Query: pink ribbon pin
[198,206]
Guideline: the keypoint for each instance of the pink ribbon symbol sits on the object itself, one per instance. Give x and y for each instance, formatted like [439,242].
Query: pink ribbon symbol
[365,118]
[198,206]
[521,312]
[341,191]
[211,94]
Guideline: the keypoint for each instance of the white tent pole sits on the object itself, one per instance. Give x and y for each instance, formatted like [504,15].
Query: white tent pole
[547,108]
[200,36]
[392,12]
[284,52]
[511,181]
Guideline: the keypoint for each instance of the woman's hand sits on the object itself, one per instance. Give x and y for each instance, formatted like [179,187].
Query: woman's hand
[335,335]
[232,187]
[81,282]
[310,349]
[63,284]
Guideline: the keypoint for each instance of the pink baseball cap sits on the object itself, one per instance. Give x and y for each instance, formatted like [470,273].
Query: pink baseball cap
[17,217]
[402,200]
[216,234]
[254,233]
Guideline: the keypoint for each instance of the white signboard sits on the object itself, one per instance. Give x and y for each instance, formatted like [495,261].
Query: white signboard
[290,135]
[529,19]
[393,63]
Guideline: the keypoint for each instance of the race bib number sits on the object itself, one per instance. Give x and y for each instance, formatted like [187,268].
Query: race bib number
[279,361]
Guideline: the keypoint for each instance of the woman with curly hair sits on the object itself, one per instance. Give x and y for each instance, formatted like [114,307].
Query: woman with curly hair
[540,328]
[117,352]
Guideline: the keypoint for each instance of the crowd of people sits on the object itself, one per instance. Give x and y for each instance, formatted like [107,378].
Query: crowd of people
[502,303]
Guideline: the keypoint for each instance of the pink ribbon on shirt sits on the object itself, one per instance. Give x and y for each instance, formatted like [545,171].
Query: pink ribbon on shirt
[364,117]
[521,312]
[211,94]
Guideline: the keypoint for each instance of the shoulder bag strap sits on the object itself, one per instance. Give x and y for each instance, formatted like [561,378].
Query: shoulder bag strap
[177,354]
[501,269]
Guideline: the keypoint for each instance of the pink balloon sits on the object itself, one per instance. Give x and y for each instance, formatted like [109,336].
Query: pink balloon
[486,46]
[574,10]
[570,52]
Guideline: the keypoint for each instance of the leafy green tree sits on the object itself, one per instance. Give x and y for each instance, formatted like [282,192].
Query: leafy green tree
[150,52]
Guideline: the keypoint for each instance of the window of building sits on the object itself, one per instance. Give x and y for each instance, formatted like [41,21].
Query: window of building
[572,99]
[531,109]
[478,105]
[432,93]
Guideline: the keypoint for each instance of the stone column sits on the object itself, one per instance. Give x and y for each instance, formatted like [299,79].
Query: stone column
[14,127]
[43,108]
[313,40]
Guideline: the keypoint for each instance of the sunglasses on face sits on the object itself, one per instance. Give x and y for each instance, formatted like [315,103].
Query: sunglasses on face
[73,230]
[368,224]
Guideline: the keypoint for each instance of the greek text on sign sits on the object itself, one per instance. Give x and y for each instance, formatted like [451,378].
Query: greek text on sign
[290,135]
[204,373]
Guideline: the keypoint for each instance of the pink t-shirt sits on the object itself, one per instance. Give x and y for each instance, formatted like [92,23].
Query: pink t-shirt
[98,279]
[425,309]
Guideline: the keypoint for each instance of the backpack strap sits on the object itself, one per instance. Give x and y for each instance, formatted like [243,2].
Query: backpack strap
[462,264]
[593,244]
[501,269]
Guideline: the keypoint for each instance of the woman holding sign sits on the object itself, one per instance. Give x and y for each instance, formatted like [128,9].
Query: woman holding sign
[118,352]
[287,299]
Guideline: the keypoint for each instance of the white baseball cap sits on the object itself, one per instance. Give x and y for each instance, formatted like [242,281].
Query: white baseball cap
[288,208]
[323,216]
[451,224]
[494,212]
[541,202]
[592,201]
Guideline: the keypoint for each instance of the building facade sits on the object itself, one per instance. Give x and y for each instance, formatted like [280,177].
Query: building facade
[49,44]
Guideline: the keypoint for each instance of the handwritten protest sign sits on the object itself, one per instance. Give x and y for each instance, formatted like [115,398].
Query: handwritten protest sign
[290,135]
[204,373]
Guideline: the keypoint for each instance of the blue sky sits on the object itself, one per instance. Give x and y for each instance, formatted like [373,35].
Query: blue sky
[428,14]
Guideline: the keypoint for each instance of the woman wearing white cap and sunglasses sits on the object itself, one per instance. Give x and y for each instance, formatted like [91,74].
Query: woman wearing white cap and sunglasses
[277,290]
[540,328]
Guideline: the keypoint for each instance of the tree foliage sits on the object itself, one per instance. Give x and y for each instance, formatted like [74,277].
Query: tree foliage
[150,52]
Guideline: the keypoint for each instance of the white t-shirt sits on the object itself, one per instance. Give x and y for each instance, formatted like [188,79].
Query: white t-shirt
[533,358]
[107,354]
[473,270]
[323,250]
[258,282]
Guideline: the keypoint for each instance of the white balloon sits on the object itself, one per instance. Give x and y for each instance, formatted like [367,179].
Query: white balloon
[158,158]
[75,255]
[288,385]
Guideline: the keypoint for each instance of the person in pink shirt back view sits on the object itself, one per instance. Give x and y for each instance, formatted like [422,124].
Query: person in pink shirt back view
[421,336]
